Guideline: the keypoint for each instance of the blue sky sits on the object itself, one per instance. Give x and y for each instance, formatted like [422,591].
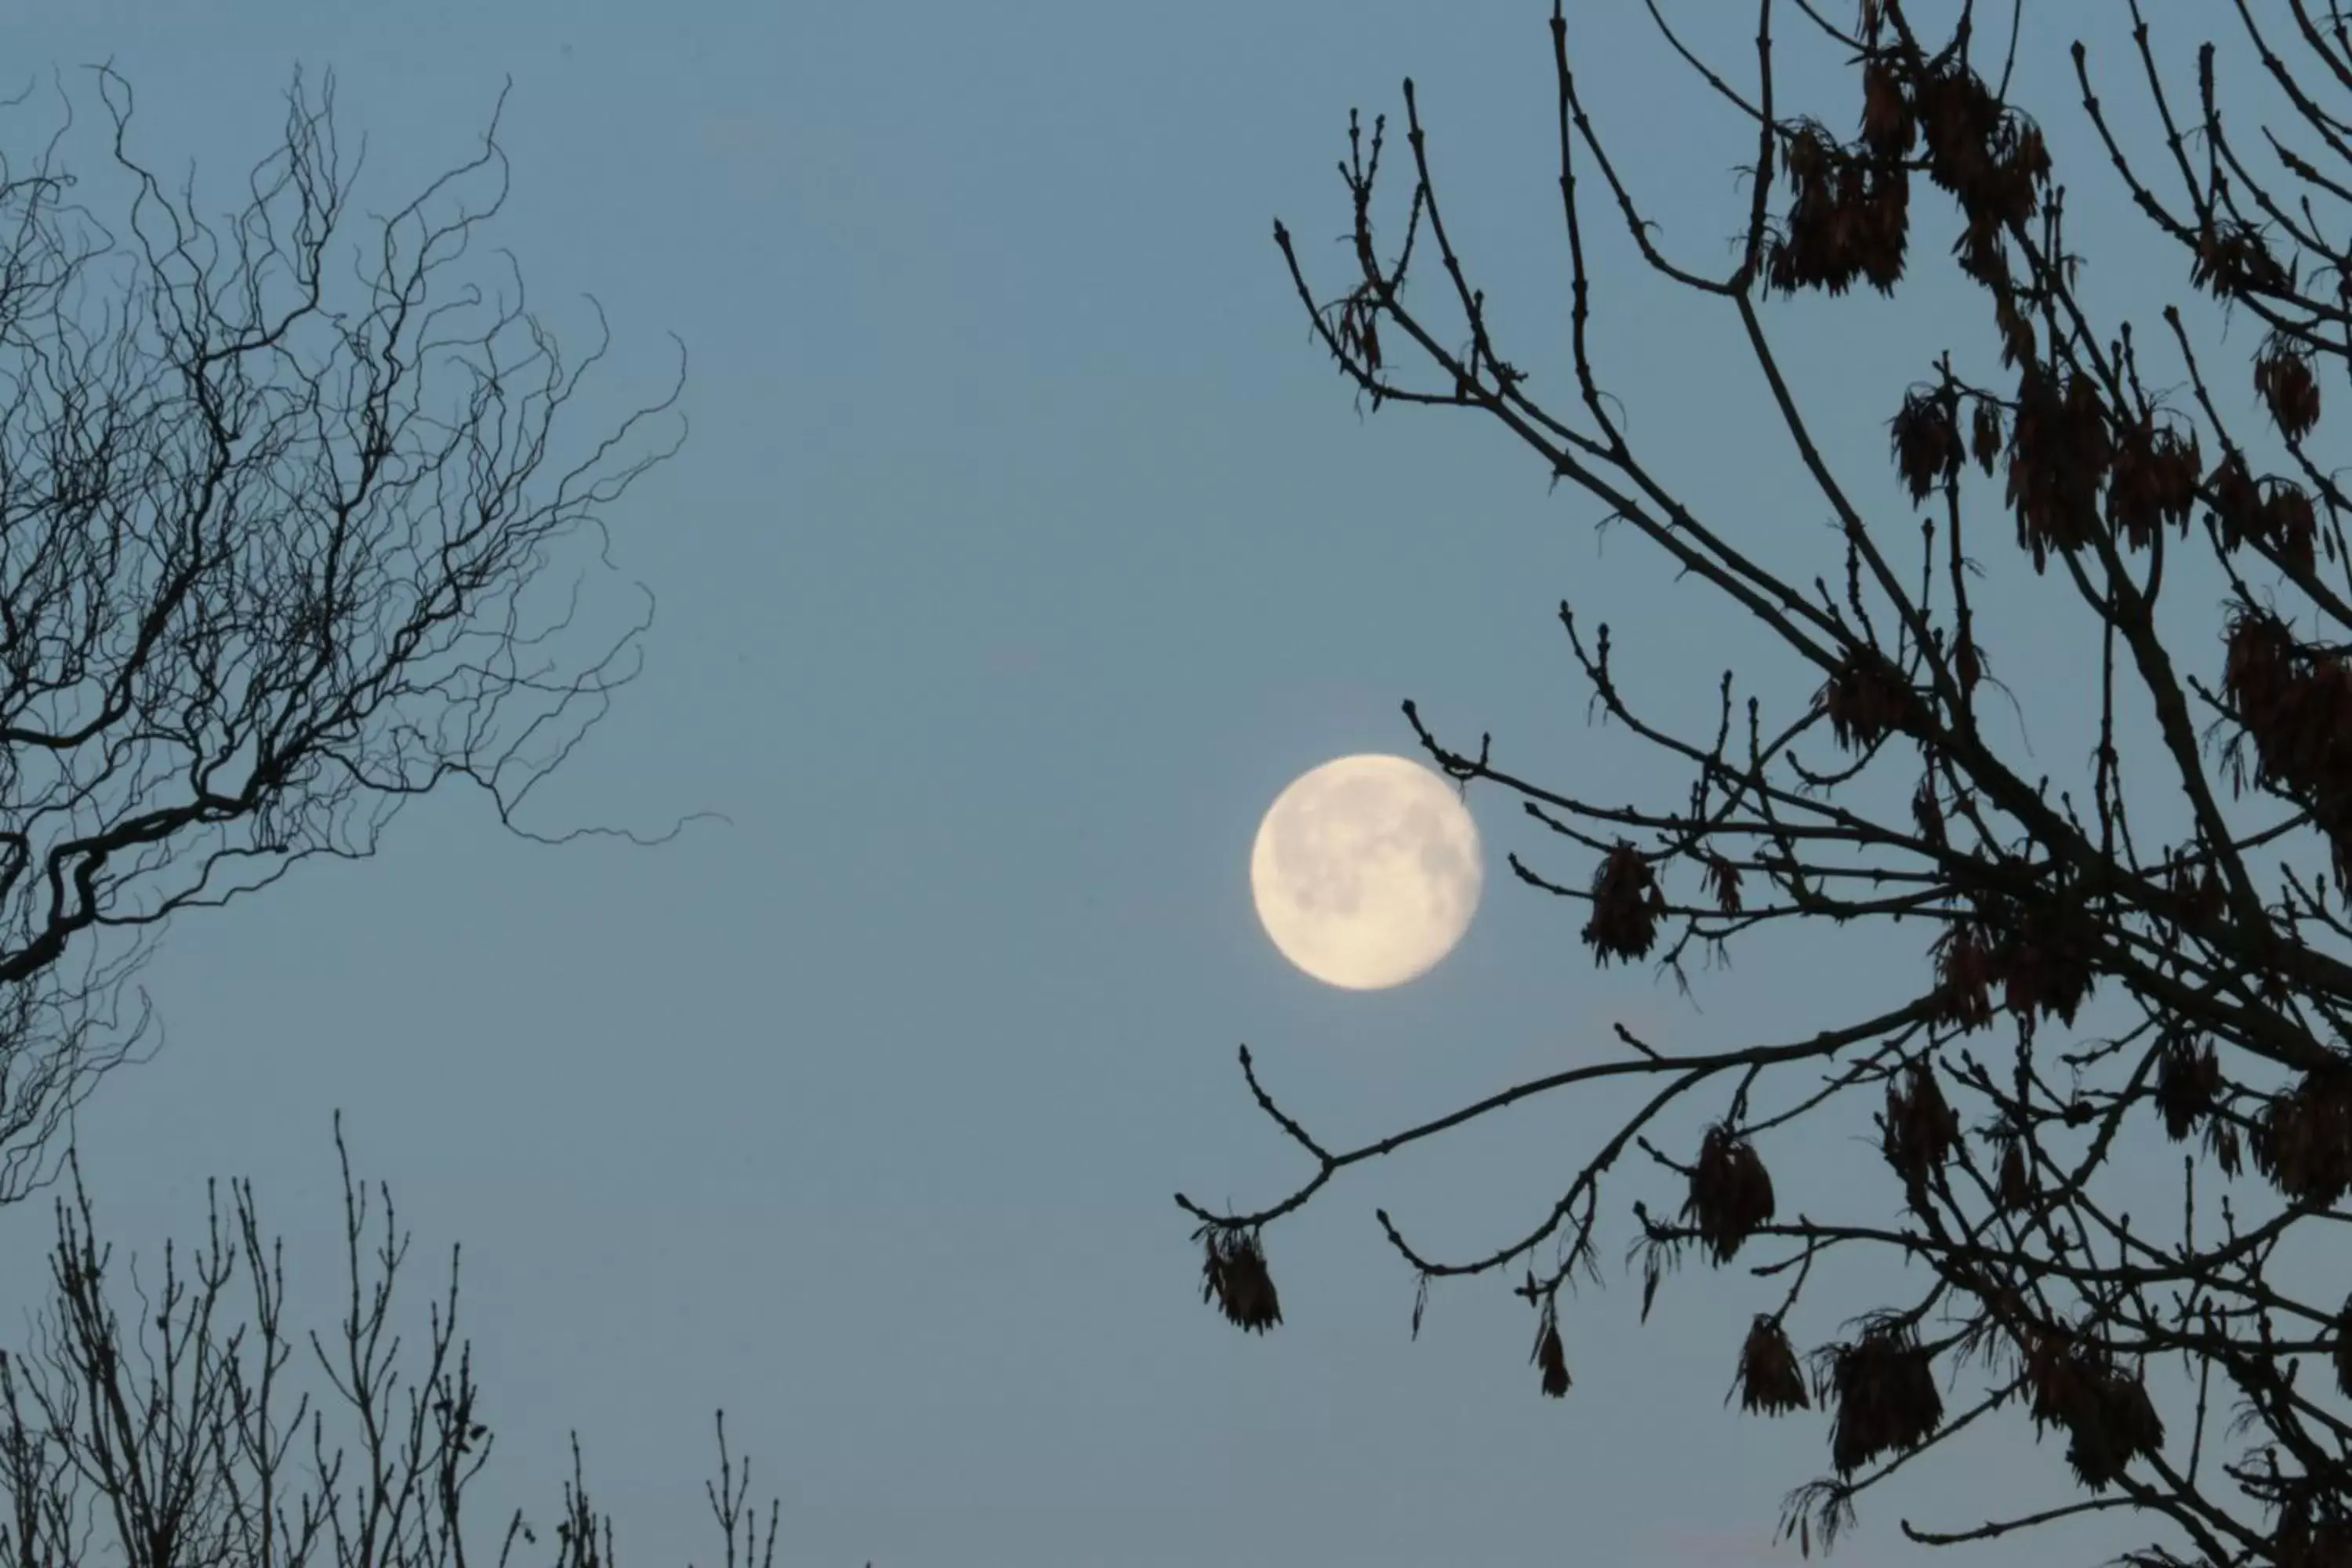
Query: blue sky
[1023,547]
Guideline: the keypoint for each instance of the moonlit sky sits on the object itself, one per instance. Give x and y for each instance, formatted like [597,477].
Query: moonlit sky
[1023,548]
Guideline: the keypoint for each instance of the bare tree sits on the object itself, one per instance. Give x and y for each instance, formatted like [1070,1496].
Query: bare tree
[183,1443]
[263,559]
[2181,886]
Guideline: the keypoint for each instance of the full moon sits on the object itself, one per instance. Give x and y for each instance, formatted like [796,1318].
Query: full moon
[1366,871]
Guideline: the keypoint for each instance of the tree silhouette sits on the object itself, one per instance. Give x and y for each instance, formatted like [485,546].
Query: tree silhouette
[2182,887]
[263,562]
[184,1441]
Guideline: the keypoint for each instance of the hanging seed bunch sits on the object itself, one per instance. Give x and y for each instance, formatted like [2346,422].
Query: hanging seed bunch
[1550,1357]
[1920,1129]
[2047,965]
[1730,1193]
[1985,436]
[1884,1387]
[2302,1142]
[1233,1276]
[2187,1084]
[2295,705]
[2275,513]
[2282,378]
[1626,905]
[2060,449]
[2308,1537]
[2013,1185]
[1927,442]
[1966,969]
[2105,1412]
[1721,879]
[2233,259]
[1866,698]
[2042,957]
[1769,1379]
[2153,481]
[1850,218]
[1988,156]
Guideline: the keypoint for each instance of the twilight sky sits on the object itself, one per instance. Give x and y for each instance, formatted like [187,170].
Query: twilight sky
[1023,549]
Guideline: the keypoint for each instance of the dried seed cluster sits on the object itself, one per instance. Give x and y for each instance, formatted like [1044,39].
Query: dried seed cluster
[1927,441]
[1769,1379]
[1866,698]
[2275,513]
[2302,1142]
[1730,1193]
[2043,958]
[1920,1128]
[1850,219]
[1233,1276]
[1550,1357]
[2105,1412]
[2282,378]
[2187,1084]
[1626,905]
[2013,1186]
[2295,704]
[1884,1388]
[2233,259]
[2311,1538]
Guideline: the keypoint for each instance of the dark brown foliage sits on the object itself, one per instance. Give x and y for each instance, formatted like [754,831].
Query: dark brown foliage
[2295,705]
[2153,480]
[1919,1128]
[2049,963]
[2308,1538]
[1867,698]
[2106,1413]
[1851,219]
[2232,258]
[1722,880]
[1234,1275]
[1884,1390]
[1551,1358]
[1927,441]
[1730,1193]
[2188,1080]
[2303,1140]
[2282,378]
[1768,1380]
[2059,451]
[2013,1189]
[2042,953]
[1984,435]
[1626,904]
[1966,969]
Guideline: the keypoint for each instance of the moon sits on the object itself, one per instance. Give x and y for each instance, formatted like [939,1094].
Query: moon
[1366,871]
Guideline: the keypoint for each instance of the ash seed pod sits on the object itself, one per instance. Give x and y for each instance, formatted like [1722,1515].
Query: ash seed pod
[1769,1379]
[1234,1275]
[1551,1358]
[1626,905]
[1730,1193]
[2282,378]
[2015,1190]
[1984,438]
